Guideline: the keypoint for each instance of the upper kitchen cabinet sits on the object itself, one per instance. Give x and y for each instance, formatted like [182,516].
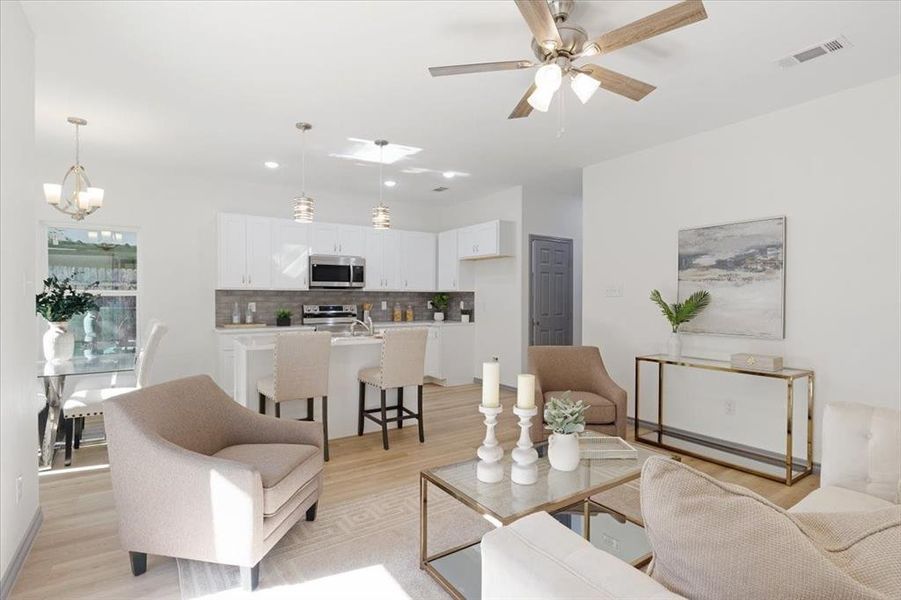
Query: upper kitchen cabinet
[486,240]
[382,259]
[244,252]
[418,261]
[335,239]
[453,275]
[290,254]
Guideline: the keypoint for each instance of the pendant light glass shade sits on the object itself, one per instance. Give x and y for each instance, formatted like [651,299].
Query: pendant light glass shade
[381,214]
[304,206]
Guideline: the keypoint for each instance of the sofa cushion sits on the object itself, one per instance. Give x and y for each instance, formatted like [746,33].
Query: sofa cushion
[600,410]
[284,468]
[716,540]
[832,499]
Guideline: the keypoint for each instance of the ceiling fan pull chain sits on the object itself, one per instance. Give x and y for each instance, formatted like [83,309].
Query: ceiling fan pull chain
[562,117]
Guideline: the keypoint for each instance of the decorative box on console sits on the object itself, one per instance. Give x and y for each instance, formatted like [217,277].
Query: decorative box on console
[757,362]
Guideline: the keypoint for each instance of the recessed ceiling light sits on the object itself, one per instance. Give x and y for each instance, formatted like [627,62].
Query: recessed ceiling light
[390,183]
[270,164]
[448,174]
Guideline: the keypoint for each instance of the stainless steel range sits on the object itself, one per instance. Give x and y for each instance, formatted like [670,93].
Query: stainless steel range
[337,318]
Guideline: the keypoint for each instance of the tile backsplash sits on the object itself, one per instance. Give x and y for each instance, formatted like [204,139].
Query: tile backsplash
[268,301]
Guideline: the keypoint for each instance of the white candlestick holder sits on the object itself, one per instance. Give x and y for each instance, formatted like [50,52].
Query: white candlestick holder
[524,470]
[489,468]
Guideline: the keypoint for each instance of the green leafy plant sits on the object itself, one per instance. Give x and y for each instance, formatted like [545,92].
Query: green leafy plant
[440,301]
[59,301]
[563,416]
[283,313]
[681,312]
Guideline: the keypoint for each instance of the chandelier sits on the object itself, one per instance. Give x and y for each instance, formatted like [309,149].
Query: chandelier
[303,204]
[84,199]
[381,214]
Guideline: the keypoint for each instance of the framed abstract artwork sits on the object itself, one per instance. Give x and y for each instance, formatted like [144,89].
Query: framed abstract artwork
[742,265]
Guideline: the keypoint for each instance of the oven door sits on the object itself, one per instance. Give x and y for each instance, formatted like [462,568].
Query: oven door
[327,274]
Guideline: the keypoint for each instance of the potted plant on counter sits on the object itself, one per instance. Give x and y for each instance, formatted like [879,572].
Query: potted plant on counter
[679,313]
[566,419]
[58,303]
[440,301]
[283,317]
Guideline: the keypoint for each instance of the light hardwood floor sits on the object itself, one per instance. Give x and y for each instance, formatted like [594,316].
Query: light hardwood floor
[77,554]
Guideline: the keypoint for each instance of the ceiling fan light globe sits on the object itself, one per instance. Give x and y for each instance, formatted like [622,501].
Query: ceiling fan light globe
[584,87]
[549,77]
[540,99]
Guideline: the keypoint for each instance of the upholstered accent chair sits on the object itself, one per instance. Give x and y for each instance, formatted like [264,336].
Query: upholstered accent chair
[402,364]
[197,476]
[89,402]
[580,370]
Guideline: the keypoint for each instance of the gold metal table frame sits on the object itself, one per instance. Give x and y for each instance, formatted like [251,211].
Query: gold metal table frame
[787,374]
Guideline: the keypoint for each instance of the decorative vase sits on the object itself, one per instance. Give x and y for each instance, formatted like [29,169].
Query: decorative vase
[59,343]
[563,451]
[439,316]
[283,321]
[674,345]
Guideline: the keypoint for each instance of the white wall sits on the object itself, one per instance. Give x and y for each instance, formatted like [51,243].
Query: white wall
[176,219]
[498,283]
[832,167]
[553,208]
[18,414]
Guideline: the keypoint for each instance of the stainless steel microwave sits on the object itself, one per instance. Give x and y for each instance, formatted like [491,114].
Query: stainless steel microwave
[337,271]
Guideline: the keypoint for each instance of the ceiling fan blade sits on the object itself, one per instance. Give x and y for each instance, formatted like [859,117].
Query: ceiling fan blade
[523,109]
[538,17]
[507,65]
[618,83]
[678,15]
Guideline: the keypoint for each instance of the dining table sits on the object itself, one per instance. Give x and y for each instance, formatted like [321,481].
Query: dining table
[53,375]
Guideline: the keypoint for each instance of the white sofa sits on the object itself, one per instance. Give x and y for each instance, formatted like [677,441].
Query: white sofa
[537,557]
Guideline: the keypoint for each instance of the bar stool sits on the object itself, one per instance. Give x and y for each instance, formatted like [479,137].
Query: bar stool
[402,364]
[301,371]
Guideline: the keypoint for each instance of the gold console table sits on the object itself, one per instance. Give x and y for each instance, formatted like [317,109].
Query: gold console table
[787,471]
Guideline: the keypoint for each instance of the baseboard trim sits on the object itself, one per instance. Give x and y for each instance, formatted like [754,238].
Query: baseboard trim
[508,388]
[726,445]
[8,580]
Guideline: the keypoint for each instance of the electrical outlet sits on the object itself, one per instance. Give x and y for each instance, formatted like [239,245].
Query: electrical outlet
[252,306]
[495,359]
[614,291]
[610,541]
[384,305]
[730,407]
[462,305]
[429,305]
[19,486]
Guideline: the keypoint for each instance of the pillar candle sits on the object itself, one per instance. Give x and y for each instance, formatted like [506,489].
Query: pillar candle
[491,380]
[525,391]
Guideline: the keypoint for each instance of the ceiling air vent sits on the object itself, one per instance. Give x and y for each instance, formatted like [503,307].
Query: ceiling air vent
[839,43]
[440,188]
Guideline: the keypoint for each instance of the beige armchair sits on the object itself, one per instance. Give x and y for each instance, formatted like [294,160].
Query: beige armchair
[581,370]
[197,476]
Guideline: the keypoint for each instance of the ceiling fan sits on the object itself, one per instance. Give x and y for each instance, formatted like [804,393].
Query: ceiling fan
[557,43]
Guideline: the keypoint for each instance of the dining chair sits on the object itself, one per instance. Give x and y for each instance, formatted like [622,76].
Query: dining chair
[402,364]
[89,402]
[301,372]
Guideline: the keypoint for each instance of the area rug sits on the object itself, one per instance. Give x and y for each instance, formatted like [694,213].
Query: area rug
[360,548]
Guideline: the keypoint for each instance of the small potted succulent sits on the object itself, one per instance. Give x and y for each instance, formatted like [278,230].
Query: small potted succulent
[566,419]
[283,317]
[679,313]
[58,303]
[440,301]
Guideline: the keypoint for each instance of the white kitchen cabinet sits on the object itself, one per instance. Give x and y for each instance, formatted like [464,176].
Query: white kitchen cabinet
[334,239]
[453,275]
[382,255]
[291,255]
[486,240]
[244,252]
[433,353]
[418,261]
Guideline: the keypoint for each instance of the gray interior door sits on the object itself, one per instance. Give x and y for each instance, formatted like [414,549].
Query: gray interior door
[551,304]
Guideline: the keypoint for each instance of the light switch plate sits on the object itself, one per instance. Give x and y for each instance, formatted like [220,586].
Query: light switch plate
[252,306]
[384,305]
[614,291]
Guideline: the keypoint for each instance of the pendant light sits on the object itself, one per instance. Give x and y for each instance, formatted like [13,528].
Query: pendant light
[303,204]
[84,198]
[381,214]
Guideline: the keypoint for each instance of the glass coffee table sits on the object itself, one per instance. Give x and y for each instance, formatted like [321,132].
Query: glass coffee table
[565,495]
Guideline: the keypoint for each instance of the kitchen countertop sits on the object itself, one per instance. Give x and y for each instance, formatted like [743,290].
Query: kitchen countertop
[377,324]
[259,342]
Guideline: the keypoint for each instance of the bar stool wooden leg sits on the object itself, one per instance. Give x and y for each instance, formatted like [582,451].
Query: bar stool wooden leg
[362,408]
[309,409]
[400,408]
[278,410]
[419,415]
[384,421]
[262,404]
[325,427]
